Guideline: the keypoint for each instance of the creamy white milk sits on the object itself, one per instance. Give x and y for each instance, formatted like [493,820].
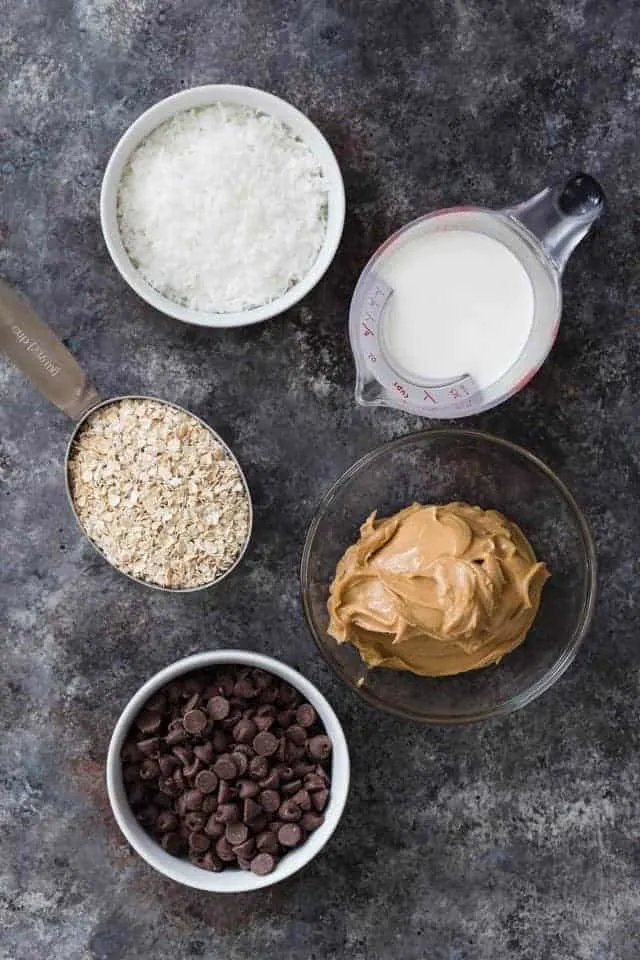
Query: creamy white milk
[462,303]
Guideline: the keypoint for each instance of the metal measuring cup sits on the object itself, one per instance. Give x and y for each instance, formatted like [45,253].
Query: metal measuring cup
[34,348]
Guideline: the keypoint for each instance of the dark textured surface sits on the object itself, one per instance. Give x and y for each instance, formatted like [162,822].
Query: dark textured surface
[511,840]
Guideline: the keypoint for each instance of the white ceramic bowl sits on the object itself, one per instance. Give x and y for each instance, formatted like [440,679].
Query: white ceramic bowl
[232,880]
[203,97]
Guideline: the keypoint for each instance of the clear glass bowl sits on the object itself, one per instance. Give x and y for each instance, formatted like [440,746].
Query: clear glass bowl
[439,466]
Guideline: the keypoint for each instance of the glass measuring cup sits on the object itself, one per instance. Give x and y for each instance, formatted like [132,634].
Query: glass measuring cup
[541,232]
[34,348]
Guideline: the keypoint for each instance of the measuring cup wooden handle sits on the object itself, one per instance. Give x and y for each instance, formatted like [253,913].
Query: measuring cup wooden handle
[36,351]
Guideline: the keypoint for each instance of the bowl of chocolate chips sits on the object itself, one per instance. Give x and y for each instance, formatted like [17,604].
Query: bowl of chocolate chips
[228,771]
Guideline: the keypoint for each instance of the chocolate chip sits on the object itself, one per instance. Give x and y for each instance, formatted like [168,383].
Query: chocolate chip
[227,813]
[272,782]
[204,752]
[264,723]
[301,769]
[192,769]
[206,781]
[219,740]
[168,764]
[194,721]
[293,752]
[149,769]
[313,782]
[265,744]
[199,842]
[263,864]
[275,825]
[244,864]
[213,828]
[210,861]
[232,719]
[225,684]
[195,820]
[245,689]
[224,850]
[157,703]
[236,833]
[269,800]
[245,850]
[319,747]
[286,717]
[244,730]
[248,788]
[289,811]
[311,821]
[259,823]
[150,747]
[172,843]
[287,694]
[130,773]
[225,793]
[184,755]
[130,753]
[149,721]
[241,761]
[193,799]
[218,708]
[303,799]
[285,772]
[269,696]
[225,767]
[138,794]
[166,822]
[296,734]
[209,804]
[176,733]
[168,786]
[258,767]
[291,787]
[250,810]
[290,835]
[267,842]
[306,715]
[319,799]
[191,704]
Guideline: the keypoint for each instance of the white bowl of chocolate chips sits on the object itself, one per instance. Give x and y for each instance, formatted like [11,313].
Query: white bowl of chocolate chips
[228,771]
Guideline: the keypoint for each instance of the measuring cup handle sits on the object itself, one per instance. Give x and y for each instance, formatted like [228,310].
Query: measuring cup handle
[34,348]
[561,215]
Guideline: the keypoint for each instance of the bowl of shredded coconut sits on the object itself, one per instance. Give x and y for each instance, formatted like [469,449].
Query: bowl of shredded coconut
[222,206]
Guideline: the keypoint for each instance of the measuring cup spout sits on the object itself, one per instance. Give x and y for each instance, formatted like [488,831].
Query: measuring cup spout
[34,348]
[561,215]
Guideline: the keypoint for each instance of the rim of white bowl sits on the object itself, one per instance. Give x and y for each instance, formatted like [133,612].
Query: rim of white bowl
[233,880]
[201,97]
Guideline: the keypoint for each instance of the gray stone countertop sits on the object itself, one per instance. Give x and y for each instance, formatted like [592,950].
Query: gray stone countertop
[514,839]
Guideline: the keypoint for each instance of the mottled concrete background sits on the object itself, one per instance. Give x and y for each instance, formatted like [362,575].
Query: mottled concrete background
[516,839]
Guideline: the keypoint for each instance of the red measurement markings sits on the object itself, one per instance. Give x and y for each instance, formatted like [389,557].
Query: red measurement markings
[458,393]
[368,332]
[376,297]
[429,396]
[404,393]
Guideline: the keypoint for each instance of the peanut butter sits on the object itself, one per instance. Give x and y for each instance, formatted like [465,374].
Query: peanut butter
[436,590]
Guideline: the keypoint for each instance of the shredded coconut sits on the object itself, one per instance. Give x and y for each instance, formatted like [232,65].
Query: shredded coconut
[222,208]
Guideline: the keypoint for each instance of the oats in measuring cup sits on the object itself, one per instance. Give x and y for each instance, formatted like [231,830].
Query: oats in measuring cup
[158,495]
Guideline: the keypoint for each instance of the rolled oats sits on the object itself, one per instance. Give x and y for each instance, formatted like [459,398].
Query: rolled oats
[157,494]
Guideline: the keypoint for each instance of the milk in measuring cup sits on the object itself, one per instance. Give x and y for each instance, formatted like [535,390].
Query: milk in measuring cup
[462,303]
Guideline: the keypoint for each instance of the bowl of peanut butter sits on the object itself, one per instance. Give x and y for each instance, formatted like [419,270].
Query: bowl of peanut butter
[449,577]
